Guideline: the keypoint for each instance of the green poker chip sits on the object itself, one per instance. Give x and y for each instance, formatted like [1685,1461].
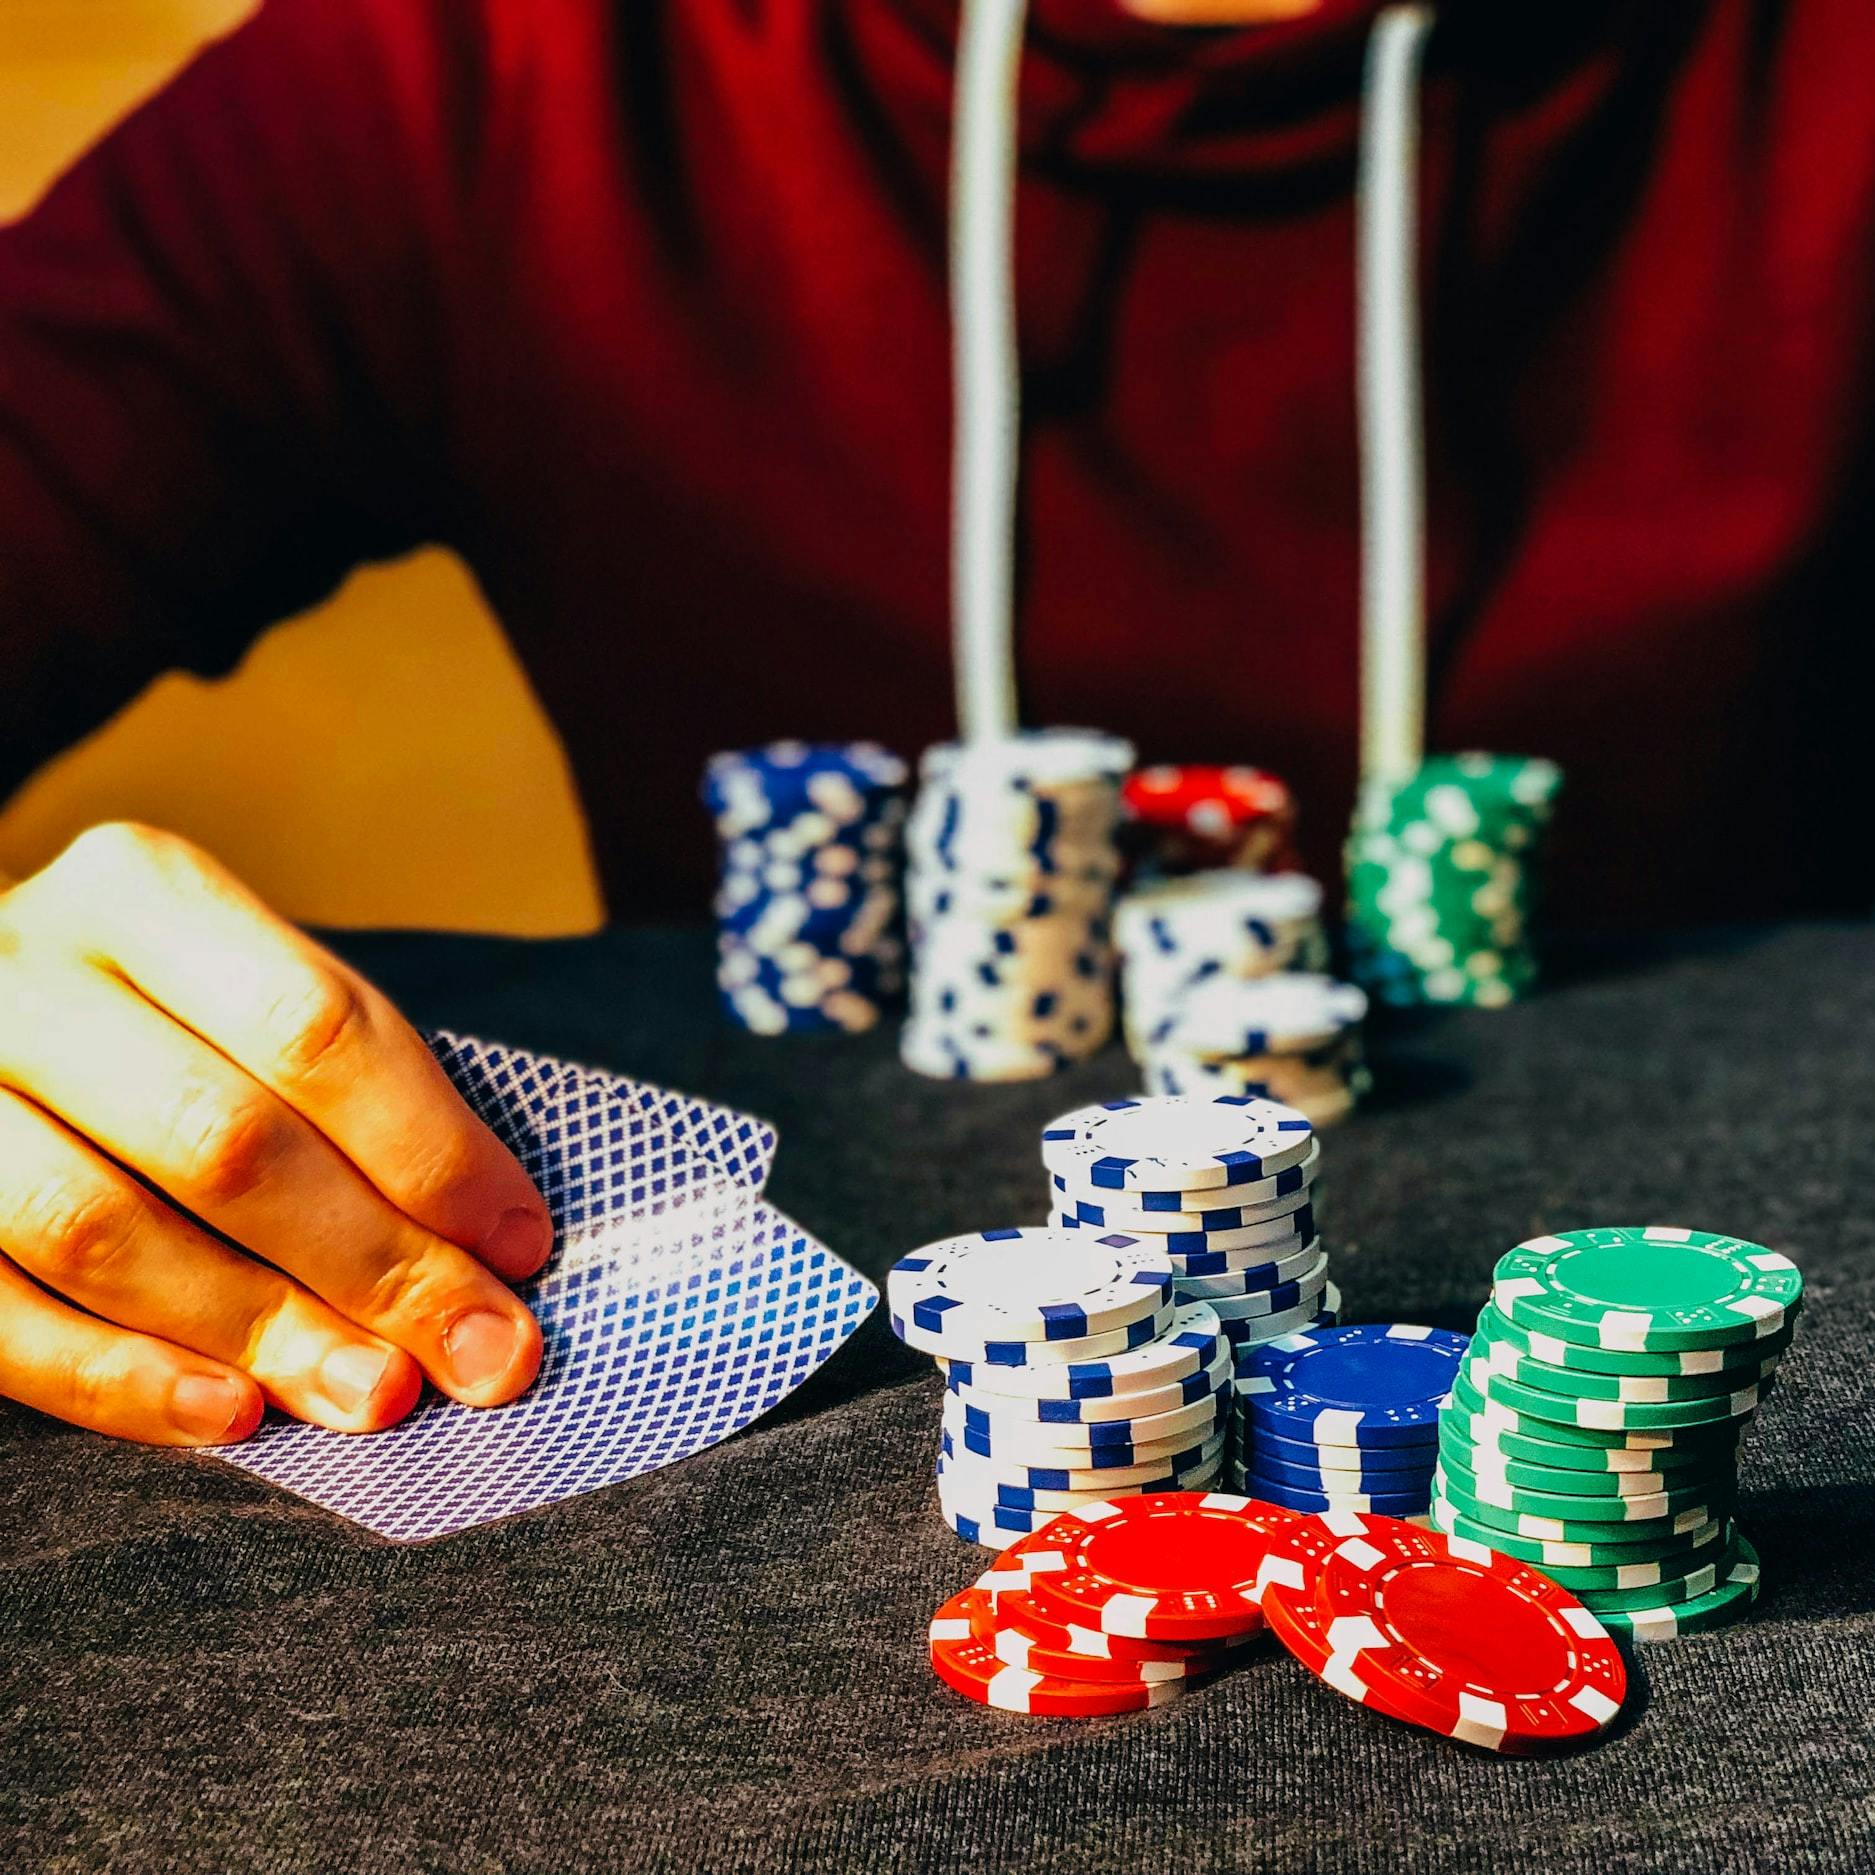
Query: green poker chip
[1463,1485]
[1467,1397]
[1549,1553]
[1493,1466]
[1495,1328]
[1634,1389]
[1653,1288]
[1730,1601]
[1697,1567]
[1476,1428]
[1597,1534]
[1698,1581]
[1613,1415]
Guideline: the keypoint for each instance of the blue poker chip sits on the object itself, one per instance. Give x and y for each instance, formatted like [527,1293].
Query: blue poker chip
[1272,1490]
[1371,1384]
[1309,1454]
[1388,1481]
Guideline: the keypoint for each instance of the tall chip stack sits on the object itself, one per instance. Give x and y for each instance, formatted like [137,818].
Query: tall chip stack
[1443,880]
[1195,817]
[1225,1191]
[809,932]
[1072,1374]
[1013,864]
[1344,1418]
[1295,1037]
[1595,1424]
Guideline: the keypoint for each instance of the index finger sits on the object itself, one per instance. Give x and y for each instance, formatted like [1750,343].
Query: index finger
[190,937]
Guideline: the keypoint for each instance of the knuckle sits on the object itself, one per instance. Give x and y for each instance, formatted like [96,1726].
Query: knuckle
[438,1169]
[109,849]
[406,1289]
[96,1379]
[316,1023]
[73,1235]
[226,1151]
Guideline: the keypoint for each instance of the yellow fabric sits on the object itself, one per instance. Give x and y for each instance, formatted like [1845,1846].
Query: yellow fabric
[381,761]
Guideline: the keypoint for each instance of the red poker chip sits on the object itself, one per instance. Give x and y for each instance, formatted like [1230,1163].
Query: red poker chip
[1167,1566]
[1205,815]
[1441,1632]
[1015,1647]
[967,1663]
[1012,1606]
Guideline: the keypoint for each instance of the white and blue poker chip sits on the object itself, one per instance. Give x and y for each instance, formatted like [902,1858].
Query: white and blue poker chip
[1373,1384]
[1027,1284]
[1192,1342]
[1100,1444]
[1165,1143]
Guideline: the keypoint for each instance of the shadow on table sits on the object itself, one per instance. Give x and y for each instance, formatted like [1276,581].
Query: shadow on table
[1814,1545]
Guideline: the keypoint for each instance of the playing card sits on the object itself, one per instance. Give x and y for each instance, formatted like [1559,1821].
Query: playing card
[678,1306]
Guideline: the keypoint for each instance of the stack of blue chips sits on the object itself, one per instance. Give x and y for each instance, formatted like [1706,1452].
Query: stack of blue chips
[808,907]
[1344,1418]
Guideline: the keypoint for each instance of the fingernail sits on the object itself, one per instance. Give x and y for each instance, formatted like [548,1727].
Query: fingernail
[349,1376]
[207,1405]
[480,1346]
[520,1241]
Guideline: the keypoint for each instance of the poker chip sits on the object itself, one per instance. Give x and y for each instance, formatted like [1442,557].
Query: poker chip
[1463,1485]
[1571,1554]
[1102,1474]
[1174,1566]
[1099,1418]
[1267,1489]
[1296,1189]
[1000,1438]
[1252,1328]
[1027,1285]
[1007,1585]
[1413,1480]
[1442,881]
[966,1663]
[1467,1397]
[1193,1342]
[1319,1455]
[1613,1415]
[1241,1297]
[1500,1331]
[1486,1436]
[1014,1354]
[809,929]
[1489,1464]
[1445,1634]
[1212,1253]
[1728,1601]
[1601,1533]
[1170,1145]
[1364,1385]
[1012,862]
[1187,816]
[1700,1579]
[1653,1288]
[1230,1017]
[1631,1389]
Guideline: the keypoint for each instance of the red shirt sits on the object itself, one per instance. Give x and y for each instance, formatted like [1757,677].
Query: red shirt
[641,308]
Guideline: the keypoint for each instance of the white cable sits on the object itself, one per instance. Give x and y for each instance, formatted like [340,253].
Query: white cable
[1388,398]
[985,387]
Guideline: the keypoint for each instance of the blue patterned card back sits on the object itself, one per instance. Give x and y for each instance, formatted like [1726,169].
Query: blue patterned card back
[678,1306]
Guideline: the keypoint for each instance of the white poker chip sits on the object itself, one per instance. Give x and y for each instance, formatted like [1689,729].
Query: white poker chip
[1088,1415]
[995,1435]
[1169,1143]
[1192,1342]
[1225,912]
[1302,1276]
[1152,1211]
[1277,1015]
[1026,1285]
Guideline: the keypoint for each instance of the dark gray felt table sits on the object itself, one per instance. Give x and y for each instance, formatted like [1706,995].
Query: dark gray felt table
[722,1666]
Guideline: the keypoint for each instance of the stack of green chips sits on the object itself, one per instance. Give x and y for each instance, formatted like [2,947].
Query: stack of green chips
[1443,877]
[1595,1423]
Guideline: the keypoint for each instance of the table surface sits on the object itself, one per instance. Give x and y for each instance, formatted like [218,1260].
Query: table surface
[721,1666]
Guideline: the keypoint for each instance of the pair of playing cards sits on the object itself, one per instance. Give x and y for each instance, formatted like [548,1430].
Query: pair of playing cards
[678,1305]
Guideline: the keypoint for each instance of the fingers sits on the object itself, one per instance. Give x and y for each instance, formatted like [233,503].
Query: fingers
[159,1100]
[86,1229]
[163,915]
[131,1386]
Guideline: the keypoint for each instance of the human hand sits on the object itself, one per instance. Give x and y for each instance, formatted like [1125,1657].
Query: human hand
[230,1172]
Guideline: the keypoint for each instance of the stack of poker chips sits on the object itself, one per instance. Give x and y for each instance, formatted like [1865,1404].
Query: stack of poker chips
[1595,1425]
[1344,1418]
[1192,817]
[1224,1189]
[1443,877]
[1295,1037]
[1072,1374]
[807,904]
[1177,932]
[1012,870]
[1117,1606]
